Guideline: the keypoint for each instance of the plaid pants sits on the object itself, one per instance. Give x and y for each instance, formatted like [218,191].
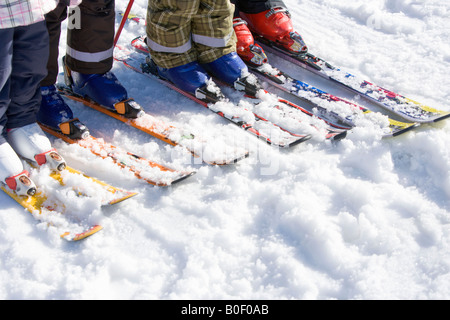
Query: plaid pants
[183,31]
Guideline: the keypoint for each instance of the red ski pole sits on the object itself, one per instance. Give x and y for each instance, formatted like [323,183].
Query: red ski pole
[122,23]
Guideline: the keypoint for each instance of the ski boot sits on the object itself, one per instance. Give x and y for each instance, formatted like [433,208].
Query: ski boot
[31,143]
[191,78]
[12,173]
[233,71]
[246,48]
[275,25]
[104,89]
[57,115]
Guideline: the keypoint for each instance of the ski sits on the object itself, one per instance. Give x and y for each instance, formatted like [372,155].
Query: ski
[290,116]
[57,189]
[338,112]
[266,106]
[44,210]
[158,129]
[332,109]
[144,169]
[84,186]
[240,116]
[389,100]
[281,105]
[283,111]
[133,17]
[269,102]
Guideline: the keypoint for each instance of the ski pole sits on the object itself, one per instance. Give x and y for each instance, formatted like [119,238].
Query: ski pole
[122,23]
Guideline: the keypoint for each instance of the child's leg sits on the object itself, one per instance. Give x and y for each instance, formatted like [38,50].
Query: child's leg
[11,168]
[53,20]
[169,32]
[6,37]
[90,48]
[29,67]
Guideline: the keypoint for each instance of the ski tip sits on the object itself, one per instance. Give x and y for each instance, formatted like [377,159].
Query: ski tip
[298,141]
[181,177]
[400,131]
[128,195]
[287,144]
[227,161]
[70,236]
[338,136]
[443,117]
[184,177]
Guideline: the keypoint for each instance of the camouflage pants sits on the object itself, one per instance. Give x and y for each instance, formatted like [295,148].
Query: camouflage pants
[183,31]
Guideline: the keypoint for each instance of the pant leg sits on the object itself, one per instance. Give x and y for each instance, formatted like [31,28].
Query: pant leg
[53,19]
[29,68]
[169,31]
[212,30]
[6,50]
[257,6]
[179,32]
[90,47]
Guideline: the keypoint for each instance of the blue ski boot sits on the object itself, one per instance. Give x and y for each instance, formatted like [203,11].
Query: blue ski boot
[103,89]
[55,114]
[228,68]
[233,71]
[190,78]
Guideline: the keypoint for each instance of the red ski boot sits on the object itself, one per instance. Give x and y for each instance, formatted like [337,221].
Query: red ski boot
[275,25]
[245,46]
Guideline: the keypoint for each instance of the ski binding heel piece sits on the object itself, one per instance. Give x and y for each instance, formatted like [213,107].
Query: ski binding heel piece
[21,184]
[74,129]
[248,84]
[129,109]
[52,158]
[210,93]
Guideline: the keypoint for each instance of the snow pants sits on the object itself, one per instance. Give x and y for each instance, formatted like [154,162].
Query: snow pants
[183,31]
[256,6]
[90,37]
[23,57]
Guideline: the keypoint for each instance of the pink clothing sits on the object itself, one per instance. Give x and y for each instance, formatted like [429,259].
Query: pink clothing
[16,13]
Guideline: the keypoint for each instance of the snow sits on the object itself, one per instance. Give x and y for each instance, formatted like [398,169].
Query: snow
[366,218]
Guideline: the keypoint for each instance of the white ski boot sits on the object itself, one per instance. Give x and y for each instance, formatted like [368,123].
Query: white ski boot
[31,143]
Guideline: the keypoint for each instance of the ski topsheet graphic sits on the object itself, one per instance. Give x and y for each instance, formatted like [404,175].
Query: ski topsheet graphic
[338,111]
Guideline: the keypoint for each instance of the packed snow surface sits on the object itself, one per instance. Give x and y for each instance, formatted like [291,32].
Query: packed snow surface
[364,218]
